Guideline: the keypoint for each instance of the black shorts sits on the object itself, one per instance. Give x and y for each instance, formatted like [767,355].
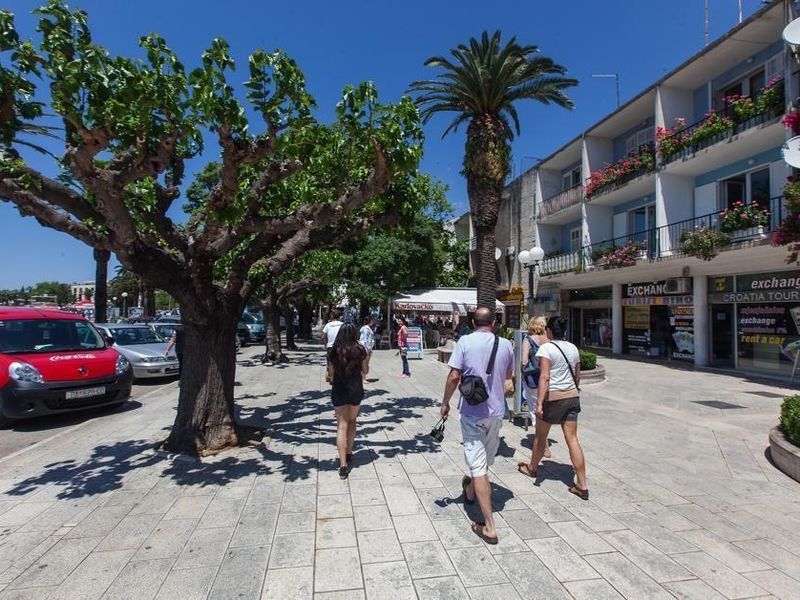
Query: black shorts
[556,412]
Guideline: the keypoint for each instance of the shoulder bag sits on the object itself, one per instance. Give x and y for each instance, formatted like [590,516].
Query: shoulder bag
[569,366]
[472,387]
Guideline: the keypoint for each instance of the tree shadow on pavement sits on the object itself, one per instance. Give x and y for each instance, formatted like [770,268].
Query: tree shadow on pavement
[551,470]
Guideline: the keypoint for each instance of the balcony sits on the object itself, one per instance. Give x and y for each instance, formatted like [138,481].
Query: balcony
[739,115]
[625,170]
[659,243]
[561,201]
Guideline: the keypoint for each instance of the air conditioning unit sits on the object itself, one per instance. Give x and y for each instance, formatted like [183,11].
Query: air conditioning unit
[679,285]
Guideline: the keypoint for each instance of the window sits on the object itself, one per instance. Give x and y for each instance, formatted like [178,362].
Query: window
[643,137]
[752,187]
[575,239]
[775,67]
[642,219]
[571,179]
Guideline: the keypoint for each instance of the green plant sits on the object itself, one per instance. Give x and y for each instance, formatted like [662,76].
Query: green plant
[742,107]
[623,256]
[790,418]
[743,216]
[702,242]
[506,333]
[713,126]
[588,360]
[601,253]
[772,96]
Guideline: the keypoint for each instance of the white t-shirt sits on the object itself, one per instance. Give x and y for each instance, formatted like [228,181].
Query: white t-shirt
[331,330]
[560,377]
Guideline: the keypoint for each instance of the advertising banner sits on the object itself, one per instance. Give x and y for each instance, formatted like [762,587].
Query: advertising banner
[414,342]
[682,326]
[637,329]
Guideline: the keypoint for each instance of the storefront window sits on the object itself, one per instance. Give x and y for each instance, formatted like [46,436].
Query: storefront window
[597,327]
[768,336]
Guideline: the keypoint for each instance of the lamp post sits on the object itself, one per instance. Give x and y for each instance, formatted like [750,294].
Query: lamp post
[124,305]
[610,75]
[530,260]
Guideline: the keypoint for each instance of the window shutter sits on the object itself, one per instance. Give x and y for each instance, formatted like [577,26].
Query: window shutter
[775,67]
[630,144]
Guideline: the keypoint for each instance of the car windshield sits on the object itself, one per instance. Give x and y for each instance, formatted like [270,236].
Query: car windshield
[250,319]
[133,336]
[48,335]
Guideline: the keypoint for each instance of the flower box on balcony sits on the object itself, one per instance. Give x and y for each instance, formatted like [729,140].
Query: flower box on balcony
[743,220]
[621,172]
[748,233]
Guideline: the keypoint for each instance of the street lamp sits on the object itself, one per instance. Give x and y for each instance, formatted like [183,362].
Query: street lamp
[124,305]
[609,75]
[530,259]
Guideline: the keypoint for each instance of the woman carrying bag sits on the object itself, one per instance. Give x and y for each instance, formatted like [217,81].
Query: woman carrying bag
[536,338]
[558,402]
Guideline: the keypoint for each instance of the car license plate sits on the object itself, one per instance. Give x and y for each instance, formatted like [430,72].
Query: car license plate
[86,393]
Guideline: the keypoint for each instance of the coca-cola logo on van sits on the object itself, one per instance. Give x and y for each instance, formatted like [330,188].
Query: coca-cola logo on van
[58,357]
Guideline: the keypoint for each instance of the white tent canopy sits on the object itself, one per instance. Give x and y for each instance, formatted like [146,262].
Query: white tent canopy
[444,300]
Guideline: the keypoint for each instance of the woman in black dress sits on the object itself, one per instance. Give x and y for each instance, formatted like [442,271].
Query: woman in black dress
[346,369]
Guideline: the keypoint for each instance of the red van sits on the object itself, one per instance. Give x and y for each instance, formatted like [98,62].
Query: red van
[53,361]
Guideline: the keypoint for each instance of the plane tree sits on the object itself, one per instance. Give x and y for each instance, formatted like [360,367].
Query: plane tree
[131,129]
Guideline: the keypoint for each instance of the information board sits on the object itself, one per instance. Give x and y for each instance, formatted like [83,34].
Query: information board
[415,345]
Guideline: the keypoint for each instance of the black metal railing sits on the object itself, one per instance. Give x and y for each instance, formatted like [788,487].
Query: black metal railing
[658,242]
[646,154]
[719,125]
[558,202]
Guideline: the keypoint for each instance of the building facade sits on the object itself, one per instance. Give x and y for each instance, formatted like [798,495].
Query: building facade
[83,291]
[657,221]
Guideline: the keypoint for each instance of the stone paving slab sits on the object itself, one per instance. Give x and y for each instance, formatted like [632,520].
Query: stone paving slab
[684,504]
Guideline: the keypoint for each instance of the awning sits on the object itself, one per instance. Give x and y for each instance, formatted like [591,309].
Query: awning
[443,300]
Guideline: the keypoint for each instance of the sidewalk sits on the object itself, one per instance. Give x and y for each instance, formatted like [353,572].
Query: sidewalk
[684,502]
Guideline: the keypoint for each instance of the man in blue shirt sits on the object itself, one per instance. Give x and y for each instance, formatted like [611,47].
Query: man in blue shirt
[480,423]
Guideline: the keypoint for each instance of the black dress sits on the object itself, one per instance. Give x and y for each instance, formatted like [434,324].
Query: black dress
[348,388]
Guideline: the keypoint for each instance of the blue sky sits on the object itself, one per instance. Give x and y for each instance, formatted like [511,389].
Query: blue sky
[349,41]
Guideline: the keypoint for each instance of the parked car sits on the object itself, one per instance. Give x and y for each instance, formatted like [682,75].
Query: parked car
[143,347]
[52,361]
[167,330]
[253,330]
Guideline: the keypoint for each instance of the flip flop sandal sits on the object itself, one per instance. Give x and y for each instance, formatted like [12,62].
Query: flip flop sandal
[343,472]
[477,529]
[525,470]
[464,483]
[582,494]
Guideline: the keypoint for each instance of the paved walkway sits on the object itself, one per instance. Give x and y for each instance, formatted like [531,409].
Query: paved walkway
[684,502]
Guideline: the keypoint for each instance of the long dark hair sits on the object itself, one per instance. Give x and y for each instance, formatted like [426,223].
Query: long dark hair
[347,354]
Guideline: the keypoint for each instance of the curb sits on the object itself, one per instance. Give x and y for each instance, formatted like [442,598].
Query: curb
[784,454]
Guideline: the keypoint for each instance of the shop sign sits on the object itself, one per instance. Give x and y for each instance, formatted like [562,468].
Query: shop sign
[637,290]
[516,293]
[414,306]
[768,333]
[720,285]
[682,324]
[756,296]
[786,280]
[659,301]
[637,317]
[637,329]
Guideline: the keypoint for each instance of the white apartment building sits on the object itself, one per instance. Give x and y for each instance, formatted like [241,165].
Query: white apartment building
[617,261]
[80,290]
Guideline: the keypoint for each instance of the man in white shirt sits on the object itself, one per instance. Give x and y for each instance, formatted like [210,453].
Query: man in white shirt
[331,329]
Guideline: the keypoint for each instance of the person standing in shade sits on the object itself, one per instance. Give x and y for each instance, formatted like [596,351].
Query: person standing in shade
[331,329]
[480,423]
[366,338]
[347,366]
[558,403]
[536,338]
[176,341]
[402,344]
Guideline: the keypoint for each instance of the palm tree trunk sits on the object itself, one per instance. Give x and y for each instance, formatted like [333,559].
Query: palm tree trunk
[101,258]
[486,166]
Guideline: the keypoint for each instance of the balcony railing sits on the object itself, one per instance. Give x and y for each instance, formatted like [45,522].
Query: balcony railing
[738,115]
[473,243]
[656,243]
[623,171]
[571,197]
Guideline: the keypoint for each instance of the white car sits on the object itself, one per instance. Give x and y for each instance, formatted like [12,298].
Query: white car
[143,347]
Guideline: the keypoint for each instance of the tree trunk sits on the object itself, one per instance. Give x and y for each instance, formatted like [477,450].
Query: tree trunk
[288,315]
[486,166]
[306,318]
[272,322]
[101,258]
[205,422]
[149,304]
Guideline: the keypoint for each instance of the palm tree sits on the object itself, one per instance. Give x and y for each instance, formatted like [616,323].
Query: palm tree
[481,85]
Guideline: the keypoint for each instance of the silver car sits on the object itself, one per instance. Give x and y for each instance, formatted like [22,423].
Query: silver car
[144,349]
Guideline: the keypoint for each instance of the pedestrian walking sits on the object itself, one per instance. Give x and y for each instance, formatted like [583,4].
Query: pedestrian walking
[537,337]
[366,338]
[347,366]
[480,365]
[402,344]
[176,341]
[558,402]
[331,329]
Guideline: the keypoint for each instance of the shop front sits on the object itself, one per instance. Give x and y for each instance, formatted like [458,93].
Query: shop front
[590,317]
[658,319]
[513,301]
[755,321]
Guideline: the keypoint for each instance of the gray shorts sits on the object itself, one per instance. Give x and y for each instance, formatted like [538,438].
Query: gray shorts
[556,412]
[481,441]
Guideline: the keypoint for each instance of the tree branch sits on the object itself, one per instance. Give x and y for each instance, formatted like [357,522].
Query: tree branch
[29,204]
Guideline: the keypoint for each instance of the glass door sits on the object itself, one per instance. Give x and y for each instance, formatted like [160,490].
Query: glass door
[643,226]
